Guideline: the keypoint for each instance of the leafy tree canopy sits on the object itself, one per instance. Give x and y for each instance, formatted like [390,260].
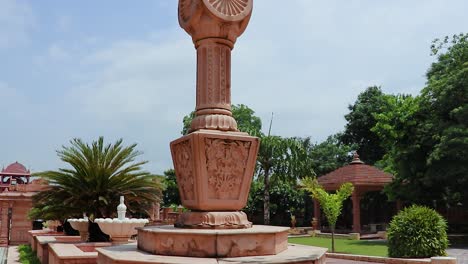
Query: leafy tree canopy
[331,203]
[427,136]
[360,121]
[95,176]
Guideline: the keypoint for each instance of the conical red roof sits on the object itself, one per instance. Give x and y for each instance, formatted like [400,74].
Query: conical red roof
[15,169]
[357,173]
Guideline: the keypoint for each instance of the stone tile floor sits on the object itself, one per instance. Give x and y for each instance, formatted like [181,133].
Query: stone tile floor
[460,253]
[344,261]
[3,255]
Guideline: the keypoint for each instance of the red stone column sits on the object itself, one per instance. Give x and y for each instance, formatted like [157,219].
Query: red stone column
[213,105]
[356,199]
[4,223]
[317,213]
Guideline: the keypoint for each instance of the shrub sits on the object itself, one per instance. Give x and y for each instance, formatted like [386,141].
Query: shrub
[27,256]
[417,232]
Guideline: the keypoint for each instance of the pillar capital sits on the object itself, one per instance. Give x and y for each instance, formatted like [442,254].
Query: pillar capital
[225,19]
[214,26]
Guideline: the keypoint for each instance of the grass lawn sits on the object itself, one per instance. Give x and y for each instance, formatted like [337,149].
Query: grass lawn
[357,247]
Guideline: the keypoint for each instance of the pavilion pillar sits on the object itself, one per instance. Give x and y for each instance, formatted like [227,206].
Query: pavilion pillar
[399,205]
[356,199]
[317,213]
[4,223]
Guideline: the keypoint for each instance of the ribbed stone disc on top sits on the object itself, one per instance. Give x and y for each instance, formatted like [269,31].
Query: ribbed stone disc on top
[229,9]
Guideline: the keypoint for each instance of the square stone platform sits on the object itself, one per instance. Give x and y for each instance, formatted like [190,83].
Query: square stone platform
[213,243]
[129,253]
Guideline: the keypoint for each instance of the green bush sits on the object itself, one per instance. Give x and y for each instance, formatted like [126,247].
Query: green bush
[27,256]
[417,232]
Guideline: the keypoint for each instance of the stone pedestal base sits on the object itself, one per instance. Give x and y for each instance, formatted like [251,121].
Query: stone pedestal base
[213,220]
[214,169]
[129,254]
[220,243]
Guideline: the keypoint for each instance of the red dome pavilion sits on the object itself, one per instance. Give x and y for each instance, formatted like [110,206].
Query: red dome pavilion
[365,179]
[15,173]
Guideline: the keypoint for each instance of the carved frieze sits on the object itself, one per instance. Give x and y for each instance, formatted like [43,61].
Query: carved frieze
[184,169]
[226,161]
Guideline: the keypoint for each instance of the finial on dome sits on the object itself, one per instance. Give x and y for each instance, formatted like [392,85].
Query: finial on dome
[356,159]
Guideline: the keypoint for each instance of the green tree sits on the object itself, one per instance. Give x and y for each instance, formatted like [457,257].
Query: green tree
[331,154]
[171,194]
[95,176]
[427,136]
[360,121]
[331,204]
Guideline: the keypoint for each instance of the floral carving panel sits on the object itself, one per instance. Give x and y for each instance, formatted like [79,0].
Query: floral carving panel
[184,169]
[226,161]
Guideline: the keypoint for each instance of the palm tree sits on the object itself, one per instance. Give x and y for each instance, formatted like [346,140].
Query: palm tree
[96,175]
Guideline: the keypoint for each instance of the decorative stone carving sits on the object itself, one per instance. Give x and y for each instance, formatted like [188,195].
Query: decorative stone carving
[256,241]
[229,9]
[214,164]
[225,161]
[214,26]
[215,18]
[219,178]
[184,167]
[213,220]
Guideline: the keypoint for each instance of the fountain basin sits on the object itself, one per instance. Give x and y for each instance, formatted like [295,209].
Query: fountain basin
[81,225]
[120,230]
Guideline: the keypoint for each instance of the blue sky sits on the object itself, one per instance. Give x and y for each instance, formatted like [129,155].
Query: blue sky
[124,69]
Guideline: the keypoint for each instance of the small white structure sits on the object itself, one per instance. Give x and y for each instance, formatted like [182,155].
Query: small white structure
[120,229]
[81,224]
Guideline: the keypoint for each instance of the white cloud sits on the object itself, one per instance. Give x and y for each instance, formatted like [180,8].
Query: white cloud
[16,21]
[303,60]
[64,23]
[56,52]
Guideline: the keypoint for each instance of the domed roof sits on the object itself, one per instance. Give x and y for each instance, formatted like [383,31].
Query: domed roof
[357,173]
[15,169]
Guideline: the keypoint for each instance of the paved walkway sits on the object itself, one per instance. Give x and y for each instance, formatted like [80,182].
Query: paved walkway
[13,255]
[3,255]
[460,253]
[344,261]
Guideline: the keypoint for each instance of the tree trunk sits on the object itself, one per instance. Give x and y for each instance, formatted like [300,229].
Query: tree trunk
[333,238]
[266,198]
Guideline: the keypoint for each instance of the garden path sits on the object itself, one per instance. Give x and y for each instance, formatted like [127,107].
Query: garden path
[460,253]
[344,261]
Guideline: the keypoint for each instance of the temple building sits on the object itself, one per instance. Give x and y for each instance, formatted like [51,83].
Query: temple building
[16,190]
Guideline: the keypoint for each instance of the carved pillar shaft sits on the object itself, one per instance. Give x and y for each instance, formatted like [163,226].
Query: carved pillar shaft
[213,105]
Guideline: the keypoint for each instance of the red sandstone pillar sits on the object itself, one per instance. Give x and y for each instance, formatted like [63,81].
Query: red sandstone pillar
[317,213]
[4,224]
[214,163]
[356,199]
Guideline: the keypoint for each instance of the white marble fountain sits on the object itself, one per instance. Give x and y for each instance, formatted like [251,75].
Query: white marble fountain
[80,224]
[120,229]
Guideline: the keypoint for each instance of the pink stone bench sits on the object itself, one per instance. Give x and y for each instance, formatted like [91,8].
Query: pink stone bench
[82,253]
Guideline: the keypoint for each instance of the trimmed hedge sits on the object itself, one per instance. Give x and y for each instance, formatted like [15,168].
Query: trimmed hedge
[417,232]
